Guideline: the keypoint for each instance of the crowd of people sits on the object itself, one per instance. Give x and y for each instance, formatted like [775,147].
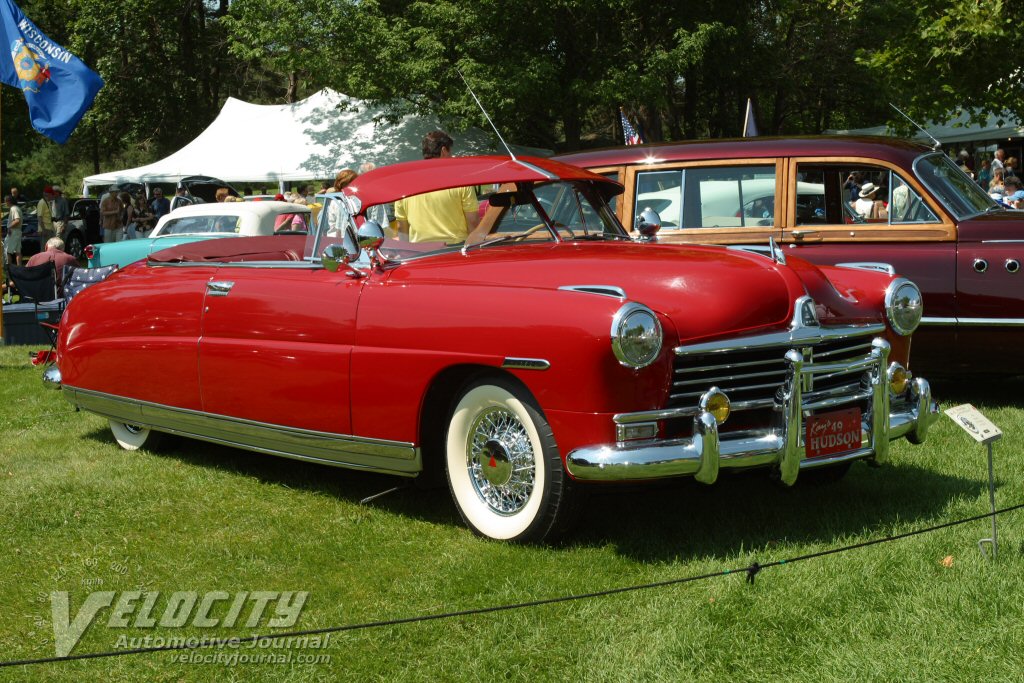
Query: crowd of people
[999,177]
[127,213]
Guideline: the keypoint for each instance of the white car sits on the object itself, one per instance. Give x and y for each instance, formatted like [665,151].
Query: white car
[205,221]
[720,201]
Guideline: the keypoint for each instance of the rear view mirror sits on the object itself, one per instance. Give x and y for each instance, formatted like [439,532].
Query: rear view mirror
[508,198]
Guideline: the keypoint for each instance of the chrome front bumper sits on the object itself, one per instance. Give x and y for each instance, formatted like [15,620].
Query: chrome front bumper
[706,452]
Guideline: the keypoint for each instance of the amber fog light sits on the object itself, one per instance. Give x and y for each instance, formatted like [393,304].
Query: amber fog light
[717,403]
[899,377]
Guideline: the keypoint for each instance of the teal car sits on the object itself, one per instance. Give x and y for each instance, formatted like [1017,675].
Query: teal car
[204,222]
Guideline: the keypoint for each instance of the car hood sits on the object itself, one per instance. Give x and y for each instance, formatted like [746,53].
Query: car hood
[707,292]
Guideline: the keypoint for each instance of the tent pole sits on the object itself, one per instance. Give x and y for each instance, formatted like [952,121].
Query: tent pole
[280,186]
[3,250]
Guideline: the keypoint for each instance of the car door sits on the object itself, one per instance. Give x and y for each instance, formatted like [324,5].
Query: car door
[905,227]
[709,202]
[276,345]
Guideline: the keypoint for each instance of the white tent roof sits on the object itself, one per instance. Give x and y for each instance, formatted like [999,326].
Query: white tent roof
[311,139]
[957,130]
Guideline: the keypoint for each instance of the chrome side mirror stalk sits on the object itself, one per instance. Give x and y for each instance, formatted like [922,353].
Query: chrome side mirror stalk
[369,237]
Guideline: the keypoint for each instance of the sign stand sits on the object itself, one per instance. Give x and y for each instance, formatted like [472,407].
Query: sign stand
[981,429]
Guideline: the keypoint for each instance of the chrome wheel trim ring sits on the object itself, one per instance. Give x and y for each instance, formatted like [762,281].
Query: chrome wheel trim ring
[501,461]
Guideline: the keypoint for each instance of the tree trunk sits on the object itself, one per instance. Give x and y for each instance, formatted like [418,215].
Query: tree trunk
[293,87]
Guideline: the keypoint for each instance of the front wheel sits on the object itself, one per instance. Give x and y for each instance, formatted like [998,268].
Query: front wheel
[504,469]
[133,437]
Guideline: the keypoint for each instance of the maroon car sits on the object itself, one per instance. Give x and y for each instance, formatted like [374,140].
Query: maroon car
[881,202]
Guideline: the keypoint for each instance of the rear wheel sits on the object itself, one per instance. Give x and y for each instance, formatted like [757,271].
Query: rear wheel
[132,437]
[503,465]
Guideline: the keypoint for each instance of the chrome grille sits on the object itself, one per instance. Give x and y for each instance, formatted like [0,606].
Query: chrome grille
[752,376]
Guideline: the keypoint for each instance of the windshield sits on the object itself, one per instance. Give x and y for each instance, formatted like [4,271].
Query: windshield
[951,186]
[511,214]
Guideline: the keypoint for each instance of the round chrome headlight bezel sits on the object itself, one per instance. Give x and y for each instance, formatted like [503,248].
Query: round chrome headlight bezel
[636,336]
[904,306]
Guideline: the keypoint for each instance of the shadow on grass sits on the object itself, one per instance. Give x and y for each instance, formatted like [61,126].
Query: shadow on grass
[748,512]
[433,505]
[995,392]
[659,522]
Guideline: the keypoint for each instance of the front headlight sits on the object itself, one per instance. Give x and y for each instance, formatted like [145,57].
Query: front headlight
[903,305]
[636,335]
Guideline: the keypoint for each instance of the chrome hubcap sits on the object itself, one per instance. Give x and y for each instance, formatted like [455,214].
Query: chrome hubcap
[501,461]
[134,429]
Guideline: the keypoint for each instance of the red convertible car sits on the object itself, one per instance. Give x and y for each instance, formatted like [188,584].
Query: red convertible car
[925,218]
[556,354]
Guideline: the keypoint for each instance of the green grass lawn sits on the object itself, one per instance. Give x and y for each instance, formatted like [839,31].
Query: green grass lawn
[78,514]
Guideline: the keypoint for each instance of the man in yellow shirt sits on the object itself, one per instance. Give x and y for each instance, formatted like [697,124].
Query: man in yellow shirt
[449,216]
[44,213]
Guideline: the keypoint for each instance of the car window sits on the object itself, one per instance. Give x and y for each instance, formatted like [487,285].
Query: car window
[291,222]
[613,202]
[835,194]
[190,225]
[738,196]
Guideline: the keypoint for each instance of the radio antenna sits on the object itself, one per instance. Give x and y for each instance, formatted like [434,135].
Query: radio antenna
[936,146]
[475,98]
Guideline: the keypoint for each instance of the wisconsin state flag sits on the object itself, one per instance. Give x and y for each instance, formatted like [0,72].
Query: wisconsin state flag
[58,87]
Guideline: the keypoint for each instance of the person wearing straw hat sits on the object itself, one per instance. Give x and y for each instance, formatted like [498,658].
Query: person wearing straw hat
[865,204]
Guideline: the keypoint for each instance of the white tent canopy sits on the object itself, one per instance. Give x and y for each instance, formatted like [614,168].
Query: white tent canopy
[307,140]
[957,131]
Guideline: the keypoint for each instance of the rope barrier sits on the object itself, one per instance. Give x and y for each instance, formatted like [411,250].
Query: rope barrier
[751,570]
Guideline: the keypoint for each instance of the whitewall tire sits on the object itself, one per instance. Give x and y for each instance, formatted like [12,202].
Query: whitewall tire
[503,466]
[133,437]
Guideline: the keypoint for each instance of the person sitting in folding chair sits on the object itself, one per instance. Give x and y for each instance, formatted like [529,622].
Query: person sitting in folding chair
[56,255]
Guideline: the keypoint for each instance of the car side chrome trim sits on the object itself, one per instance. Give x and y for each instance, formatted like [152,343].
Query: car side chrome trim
[378,455]
[974,322]
[603,290]
[525,364]
[995,322]
[870,265]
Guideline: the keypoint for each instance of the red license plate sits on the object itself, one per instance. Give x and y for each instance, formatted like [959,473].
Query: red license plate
[832,433]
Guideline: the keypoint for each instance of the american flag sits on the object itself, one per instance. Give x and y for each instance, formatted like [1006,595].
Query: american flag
[630,134]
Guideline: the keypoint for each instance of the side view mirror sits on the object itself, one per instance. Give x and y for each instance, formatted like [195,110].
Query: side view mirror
[370,236]
[337,254]
[648,223]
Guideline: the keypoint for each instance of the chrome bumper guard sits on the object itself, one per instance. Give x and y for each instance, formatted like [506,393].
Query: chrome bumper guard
[706,452]
[51,377]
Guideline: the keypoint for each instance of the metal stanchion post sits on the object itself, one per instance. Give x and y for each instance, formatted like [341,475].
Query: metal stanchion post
[994,541]
[981,429]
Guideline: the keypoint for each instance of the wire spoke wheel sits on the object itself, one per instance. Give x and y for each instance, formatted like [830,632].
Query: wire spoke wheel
[501,461]
[132,437]
[504,470]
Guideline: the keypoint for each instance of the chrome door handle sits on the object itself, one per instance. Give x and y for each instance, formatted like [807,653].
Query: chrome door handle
[800,235]
[219,288]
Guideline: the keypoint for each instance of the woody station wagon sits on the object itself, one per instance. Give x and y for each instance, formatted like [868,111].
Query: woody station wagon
[932,224]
